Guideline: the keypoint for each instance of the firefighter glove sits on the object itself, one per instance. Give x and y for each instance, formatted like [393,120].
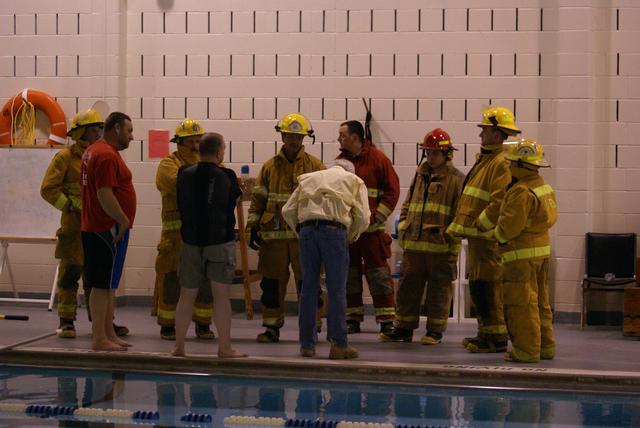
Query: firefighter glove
[254,239]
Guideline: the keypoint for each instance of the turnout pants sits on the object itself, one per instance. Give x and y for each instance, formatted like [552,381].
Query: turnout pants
[275,256]
[168,285]
[69,251]
[368,256]
[436,273]
[527,310]
[485,287]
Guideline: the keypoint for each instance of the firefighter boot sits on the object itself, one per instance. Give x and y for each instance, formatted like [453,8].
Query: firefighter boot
[431,338]
[270,335]
[353,326]
[66,330]
[168,332]
[120,330]
[397,334]
[484,346]
[203,331]
[386,327]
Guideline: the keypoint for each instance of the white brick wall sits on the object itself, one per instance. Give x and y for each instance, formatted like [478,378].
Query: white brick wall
[570,68]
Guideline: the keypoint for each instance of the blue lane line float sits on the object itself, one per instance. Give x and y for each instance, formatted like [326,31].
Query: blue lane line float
[197,417]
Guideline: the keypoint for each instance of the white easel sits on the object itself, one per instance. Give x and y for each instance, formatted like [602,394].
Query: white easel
[4,243]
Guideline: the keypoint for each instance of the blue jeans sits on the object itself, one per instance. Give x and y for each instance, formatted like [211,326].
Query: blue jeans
[328,246]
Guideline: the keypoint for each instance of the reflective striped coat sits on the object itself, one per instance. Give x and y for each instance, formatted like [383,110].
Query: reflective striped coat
[383,184]
[428,209]
[276,181]
[483,192]
[527,213]
[61,181]
[166,177]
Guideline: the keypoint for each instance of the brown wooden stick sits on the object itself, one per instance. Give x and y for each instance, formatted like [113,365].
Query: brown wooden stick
[244,259]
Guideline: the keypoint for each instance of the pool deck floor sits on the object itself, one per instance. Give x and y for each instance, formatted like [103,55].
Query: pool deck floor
[598,358]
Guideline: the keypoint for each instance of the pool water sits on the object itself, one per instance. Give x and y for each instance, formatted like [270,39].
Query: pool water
[173,396]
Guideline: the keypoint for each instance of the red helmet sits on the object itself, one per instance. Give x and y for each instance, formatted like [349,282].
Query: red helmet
[437,139]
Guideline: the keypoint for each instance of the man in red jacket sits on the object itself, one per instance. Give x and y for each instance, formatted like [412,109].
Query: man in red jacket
[370,252]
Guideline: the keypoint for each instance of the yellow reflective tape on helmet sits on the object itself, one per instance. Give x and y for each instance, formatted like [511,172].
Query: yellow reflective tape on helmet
[61,202]
[384,210]
[202,312]
[374,193]
[171,225]
[409,318]
[474,192]
[424,246]
[458,229]
[484,220]
[542,190]
[384,311]
[278,197]
[499,237]
[260,191]
[278,234]
[526,253]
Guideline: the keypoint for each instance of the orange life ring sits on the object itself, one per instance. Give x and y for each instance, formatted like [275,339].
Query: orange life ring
[41,101]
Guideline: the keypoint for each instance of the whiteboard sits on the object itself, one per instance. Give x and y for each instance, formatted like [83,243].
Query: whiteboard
[23,212]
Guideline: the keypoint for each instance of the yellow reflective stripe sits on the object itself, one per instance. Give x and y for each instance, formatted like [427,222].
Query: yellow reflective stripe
[374,193]
[253,218]
[484,220]
[271,321]
[499,237]
[278,234]
[437,321]
[61,202]
[493,329]
[429,207]
[202,312]
[407,318]
[475,192]
[385,311]
[67,308]
[278,197]
[526,253]
[72,187]
[542,190]
[375,227]
[260,190]
[401,225]
[455,249]
[171,225]
[423,246]
[76,202]
[356,311]
[165,314]
[384,210]
[458,229]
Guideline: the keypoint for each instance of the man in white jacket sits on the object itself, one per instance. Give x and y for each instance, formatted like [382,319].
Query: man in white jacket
[328,209]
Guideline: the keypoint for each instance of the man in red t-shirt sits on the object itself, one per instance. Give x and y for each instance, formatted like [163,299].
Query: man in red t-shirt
[108,210]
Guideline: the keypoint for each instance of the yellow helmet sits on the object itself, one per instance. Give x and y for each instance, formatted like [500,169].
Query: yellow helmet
[84,118]
[529,152]
[500,117]
[187,128]
[295,123]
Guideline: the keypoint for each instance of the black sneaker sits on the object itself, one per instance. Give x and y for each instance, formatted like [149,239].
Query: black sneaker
[353,327]
[386,327]
[397,334]
[120,330]
[168,332]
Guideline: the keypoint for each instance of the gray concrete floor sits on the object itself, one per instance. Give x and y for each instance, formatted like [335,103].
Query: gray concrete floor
[600,349]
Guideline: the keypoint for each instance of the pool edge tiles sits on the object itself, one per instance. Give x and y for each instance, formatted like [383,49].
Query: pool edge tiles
[488,376]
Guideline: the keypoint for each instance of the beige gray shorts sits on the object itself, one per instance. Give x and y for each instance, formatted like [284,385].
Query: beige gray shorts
[198,265]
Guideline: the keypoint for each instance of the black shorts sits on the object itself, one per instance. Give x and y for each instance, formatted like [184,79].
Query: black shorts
[103,260]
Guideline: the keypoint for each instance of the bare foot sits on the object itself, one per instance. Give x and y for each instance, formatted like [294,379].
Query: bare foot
[231,353]
[178,352]
[107,346]
[120,342]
